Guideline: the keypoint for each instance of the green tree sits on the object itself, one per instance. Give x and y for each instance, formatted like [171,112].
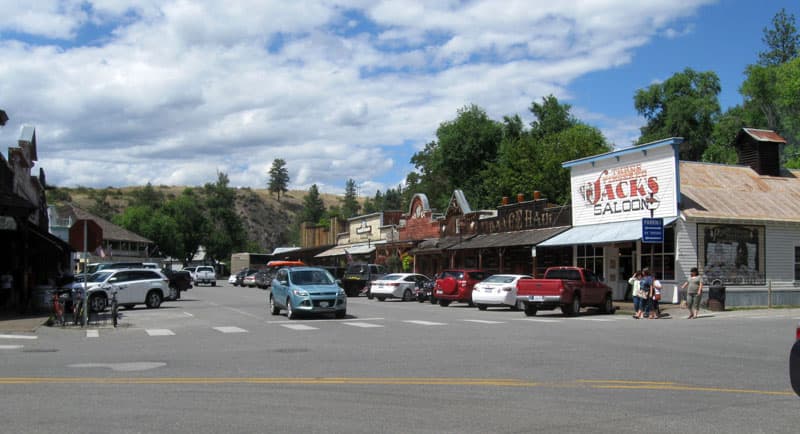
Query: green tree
[192,225]
[147,196]
[313,206]
[350,205]
[278,178]
[721,149]
[685,105]
[226,231]
[552,117]
[782,40]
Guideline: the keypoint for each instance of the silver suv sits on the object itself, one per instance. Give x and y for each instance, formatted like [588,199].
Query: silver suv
[134,286]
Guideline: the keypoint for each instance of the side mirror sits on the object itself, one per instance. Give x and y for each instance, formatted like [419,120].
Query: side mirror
[339,282]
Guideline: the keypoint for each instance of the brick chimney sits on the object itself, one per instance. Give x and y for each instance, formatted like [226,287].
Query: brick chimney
[760,150]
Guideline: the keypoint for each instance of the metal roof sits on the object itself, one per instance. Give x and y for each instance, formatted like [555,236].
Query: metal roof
[716,191]
[672,141]
[763,135]
[110,230]
[602,233]
[528,237]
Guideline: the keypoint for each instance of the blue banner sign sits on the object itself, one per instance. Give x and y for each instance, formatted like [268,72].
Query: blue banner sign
[652,230]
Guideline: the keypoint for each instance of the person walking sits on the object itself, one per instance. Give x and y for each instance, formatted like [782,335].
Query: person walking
[656,308]
[635,288]
[694,293]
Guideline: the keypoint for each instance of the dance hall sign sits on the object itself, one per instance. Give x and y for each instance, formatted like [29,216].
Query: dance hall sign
[625,186]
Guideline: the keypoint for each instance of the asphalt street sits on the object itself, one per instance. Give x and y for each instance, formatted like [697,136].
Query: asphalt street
[217,361]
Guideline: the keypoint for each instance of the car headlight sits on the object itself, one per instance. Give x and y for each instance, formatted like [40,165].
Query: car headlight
[341,293]
[300,293]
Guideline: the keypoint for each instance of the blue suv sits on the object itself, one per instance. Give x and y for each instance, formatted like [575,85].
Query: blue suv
[306,290]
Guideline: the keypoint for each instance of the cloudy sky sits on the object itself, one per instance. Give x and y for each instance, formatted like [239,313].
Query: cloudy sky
[171,92]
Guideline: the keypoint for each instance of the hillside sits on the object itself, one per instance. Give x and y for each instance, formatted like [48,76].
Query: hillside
[267,222]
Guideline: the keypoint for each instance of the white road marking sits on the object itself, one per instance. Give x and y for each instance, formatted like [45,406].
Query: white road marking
[18,337]
[159,332]
[241,312]
[483,321]
[92,333]
[122,367]
[343,321]
[596,319]
[10,347]
[188,314]
[425,323]
[230,330]
[365,325]
[298,327]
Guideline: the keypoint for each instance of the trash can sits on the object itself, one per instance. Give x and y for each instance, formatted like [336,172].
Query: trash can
[716,296]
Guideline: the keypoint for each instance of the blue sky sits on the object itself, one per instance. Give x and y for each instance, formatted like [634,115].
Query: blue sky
[171,92]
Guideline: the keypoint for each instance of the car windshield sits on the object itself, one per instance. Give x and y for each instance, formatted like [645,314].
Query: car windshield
[453,274]
[392,277]
[100,276]
[499,278]
[311,277]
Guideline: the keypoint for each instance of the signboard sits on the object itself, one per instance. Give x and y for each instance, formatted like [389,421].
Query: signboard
[94,235]
[652,230]
[625,187]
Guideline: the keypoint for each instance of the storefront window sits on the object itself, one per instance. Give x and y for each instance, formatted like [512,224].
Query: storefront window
[591,258]
[660,257]
[732,254]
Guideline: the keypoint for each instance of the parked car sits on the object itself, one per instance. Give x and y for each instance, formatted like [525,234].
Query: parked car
[426,291]
[306,290]
[205,274]
[398,285]
[794,362]
[179,281]
[134,286]
[249,279]
[497,290]
[569,288]
[232,279]
[457,285]
[241,275]
[359,277]
[191,271]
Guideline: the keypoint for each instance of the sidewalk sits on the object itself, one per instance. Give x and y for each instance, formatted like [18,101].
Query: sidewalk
[16,323]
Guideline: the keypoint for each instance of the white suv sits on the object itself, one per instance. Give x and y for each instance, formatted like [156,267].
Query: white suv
[134,286]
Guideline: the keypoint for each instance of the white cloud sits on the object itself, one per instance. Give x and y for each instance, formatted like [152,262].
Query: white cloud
[172,92]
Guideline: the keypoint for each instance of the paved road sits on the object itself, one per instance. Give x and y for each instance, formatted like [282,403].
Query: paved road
[217,361]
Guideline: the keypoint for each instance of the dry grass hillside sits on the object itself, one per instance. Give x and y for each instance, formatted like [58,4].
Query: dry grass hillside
[266,220]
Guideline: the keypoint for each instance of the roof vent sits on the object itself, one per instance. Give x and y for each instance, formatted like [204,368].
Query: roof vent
[760,150]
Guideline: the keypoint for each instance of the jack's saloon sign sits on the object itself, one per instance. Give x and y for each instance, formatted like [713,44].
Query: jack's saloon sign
[627,187]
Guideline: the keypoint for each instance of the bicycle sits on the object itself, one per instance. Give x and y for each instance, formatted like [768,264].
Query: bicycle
[58,310]
[77,307]
[114,306]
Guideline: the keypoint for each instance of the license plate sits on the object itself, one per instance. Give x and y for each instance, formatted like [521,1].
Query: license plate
[488,290]
[323,304]
[537,298]
[439,291]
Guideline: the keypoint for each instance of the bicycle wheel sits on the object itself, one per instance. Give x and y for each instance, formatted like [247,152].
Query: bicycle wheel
[114,314]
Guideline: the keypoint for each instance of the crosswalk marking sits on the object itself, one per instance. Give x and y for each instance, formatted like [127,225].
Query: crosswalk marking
[536,319]
[362,324]
[483,321]
[10,347]
[18,337]
[160,332]
[596,319]
[230,330]
[92,333]
[298,327]
[425,323]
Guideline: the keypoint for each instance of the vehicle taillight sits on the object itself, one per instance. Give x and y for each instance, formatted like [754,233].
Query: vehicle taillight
[463,283]
[507,289]
[394,284]
[797,332]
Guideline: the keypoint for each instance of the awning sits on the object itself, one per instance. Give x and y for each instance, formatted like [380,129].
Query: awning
[530,237]
[605,233]
[433,246]
[353,249]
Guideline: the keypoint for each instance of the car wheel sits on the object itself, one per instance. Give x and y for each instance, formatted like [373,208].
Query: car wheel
[530,310]
[273,308]
[128,306]
[573,308]
[153,299]
[608,305]
[290,314]
[381,298]
[369,294]
[341,314]
[97,303]
[407,296]
[444,303]
[481,307]
[420,299]
[213,283]
[173,293]
[433,299]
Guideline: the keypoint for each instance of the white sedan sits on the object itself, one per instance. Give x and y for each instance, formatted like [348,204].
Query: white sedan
[497,290]
[398,285]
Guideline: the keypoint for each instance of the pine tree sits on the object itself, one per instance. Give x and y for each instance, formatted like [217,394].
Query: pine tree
[278,178]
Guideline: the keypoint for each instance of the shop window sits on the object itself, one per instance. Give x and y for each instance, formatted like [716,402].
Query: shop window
[660,257]
[590,258]
[732,254]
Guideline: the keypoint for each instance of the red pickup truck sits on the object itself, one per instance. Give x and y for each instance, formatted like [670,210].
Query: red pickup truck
[456,285]
[569,288]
